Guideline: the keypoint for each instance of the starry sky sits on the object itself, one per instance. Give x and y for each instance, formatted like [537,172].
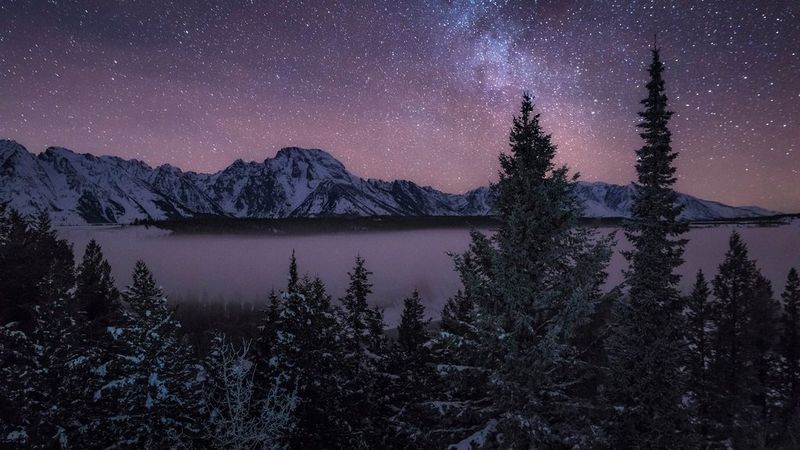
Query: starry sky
[420,90]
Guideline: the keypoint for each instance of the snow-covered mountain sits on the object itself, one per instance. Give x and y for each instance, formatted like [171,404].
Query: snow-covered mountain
[612,200]
[82,188]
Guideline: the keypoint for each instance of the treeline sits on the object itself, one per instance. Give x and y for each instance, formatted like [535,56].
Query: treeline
[531,353]
[311,225]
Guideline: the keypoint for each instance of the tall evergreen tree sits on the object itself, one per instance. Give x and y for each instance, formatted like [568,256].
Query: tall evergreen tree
[266,328]
[698,317]
[790,352]
[307,354]
[35,266]
[95,289]
[364,363]
[17,409]
[17,346]
[732,286]
[413,329]
[156,372]
[63,356]
[764,330]
[791,338]
[452,395]
[94,373]
[17,282]
[533,284]
[745,316]
[36,328]
[293,277]
[356,309]
[57,326]
[410,394]
[646,349]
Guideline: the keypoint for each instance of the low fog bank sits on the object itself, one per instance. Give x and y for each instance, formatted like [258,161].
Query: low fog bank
[246,267]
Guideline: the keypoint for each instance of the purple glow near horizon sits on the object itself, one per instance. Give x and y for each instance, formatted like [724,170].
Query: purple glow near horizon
[417,90]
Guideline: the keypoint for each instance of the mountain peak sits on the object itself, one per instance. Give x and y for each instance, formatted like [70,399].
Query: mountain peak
[9,147]
[315,163]
[82,188]
[167,168]
[63,152]
[305,154]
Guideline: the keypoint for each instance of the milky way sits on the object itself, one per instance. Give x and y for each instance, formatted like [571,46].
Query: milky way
[417,90]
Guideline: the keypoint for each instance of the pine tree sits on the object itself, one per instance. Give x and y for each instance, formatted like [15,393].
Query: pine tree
[456,313]
[413,329]
[293,277]
[60,354]
[34,265]
[94,374]
[790,351]
[791,335]
[698,317]
[17,412]
[452,391]
[410,392]
[533,284]
[375,337]
[17,282]
[61,349]
[364,360]
[646,349]
[435,399]
[732,287]
[745,314]
[266,329]
[54,333]
[95,289]
[307,354]
[356,309]
[52,260]
[764,317]
[37,272]
[156,366]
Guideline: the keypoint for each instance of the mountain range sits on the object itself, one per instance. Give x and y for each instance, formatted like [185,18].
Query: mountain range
[77,189]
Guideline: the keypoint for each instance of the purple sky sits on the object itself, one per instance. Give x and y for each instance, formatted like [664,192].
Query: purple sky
[417,90]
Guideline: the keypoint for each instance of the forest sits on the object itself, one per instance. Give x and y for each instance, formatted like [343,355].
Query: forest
[530,353]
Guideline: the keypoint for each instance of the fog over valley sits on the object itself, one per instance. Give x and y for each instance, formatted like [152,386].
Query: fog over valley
[246,267]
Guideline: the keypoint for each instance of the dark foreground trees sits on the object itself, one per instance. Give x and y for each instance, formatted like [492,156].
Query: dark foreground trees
[85,367]
[531,287]
[531,353]
[646,351]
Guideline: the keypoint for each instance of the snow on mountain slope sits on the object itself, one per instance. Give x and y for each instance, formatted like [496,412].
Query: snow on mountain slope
[476,202]
[182,187]
[24,180]
[611,200]
[82,188]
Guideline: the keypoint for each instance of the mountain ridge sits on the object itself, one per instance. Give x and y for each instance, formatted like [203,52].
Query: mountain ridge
[77,189]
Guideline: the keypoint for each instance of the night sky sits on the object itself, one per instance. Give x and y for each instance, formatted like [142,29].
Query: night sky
[410,89]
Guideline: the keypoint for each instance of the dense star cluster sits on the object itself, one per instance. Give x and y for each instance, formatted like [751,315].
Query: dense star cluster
[410,89]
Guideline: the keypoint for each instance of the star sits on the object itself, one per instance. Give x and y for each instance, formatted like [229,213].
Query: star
[406,89]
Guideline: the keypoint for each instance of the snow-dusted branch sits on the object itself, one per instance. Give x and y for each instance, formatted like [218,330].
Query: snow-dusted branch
[237,419]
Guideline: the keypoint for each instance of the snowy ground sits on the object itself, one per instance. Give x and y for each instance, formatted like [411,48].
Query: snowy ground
[248,266]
